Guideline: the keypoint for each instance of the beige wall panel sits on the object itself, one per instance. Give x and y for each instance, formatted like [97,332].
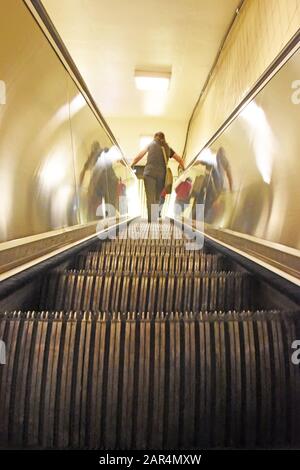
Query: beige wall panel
[262,149]
[46,134]
[35,144]
[260,32]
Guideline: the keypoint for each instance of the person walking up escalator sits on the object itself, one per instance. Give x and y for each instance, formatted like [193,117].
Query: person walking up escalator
[158,154]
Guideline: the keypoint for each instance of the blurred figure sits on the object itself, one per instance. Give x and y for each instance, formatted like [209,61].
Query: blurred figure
[98,183]
[217,170]
[91,181]
[91,161]
[121,197]
[161,202]
[183,191]
[216,183]
[158,155]
[222,168]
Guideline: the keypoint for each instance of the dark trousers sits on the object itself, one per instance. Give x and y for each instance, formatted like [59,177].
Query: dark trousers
[161,205]
[153,188]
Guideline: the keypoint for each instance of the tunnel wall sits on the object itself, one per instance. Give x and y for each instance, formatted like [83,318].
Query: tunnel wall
[261,30]
[58,163]
[259,152]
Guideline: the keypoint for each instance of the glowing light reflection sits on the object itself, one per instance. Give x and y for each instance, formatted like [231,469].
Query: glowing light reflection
[145,140]
[263,139]
[53,171]
[207,156]
[134,203]
[59,205]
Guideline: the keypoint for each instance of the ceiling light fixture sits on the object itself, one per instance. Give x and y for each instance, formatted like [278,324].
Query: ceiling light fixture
[152,81]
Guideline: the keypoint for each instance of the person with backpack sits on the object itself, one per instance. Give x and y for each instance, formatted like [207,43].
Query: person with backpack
[155,171]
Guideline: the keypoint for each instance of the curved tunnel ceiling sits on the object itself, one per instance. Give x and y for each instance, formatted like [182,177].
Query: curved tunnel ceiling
[109,39]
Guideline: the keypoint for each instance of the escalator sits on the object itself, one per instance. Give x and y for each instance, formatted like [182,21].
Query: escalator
[139,343]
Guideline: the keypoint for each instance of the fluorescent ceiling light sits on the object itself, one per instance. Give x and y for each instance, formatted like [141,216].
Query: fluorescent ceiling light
[153,81]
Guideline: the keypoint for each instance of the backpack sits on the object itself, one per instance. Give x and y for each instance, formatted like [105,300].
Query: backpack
[169,174]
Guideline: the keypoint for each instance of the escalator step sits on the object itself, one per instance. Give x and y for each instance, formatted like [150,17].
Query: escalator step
[156,291]
[149,381]
[96,261]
